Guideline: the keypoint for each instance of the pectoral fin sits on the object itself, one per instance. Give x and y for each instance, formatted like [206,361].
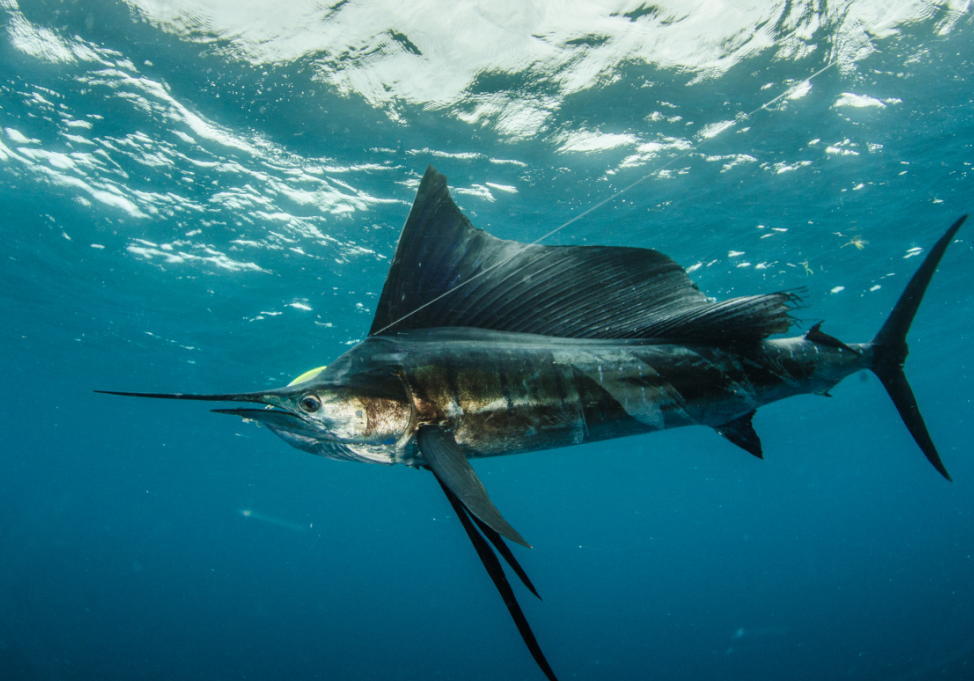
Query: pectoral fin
[740,431]
[452,469]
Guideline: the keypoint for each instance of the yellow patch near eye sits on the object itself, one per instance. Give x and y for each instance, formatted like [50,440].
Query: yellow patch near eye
[307,375]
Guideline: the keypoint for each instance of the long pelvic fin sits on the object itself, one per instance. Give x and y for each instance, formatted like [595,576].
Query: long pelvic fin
[505,551]
[451,468]
[890,349]
[496,572]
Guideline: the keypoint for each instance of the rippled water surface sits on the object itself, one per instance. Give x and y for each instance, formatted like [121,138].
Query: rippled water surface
[205,197]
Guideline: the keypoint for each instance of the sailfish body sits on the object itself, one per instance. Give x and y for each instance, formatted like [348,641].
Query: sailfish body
[503,393]
[483,347]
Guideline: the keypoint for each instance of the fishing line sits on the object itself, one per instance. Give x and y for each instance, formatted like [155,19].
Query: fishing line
[596,206]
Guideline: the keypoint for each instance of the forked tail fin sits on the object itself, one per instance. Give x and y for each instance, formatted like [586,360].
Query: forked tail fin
[890,349]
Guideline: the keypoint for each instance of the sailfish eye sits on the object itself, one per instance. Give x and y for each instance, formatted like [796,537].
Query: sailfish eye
[310,403]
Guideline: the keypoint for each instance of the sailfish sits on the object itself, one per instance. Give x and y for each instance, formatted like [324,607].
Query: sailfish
[484,347]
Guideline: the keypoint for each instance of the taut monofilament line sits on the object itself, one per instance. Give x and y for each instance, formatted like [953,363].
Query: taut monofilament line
[609,199]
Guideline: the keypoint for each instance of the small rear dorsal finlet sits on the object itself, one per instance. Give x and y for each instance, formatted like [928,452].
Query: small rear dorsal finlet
[816,335]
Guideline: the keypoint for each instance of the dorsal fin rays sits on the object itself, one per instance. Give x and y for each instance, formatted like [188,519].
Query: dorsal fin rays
[448,273]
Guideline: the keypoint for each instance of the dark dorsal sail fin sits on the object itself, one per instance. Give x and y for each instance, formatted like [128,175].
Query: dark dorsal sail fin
[446,272]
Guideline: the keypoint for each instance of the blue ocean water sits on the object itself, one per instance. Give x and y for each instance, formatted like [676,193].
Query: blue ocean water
[205,197]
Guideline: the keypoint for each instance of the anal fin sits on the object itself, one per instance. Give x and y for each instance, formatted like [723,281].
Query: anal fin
[452,469]
[740,431]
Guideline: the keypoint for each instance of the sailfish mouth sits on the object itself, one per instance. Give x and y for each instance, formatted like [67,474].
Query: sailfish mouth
[276,420]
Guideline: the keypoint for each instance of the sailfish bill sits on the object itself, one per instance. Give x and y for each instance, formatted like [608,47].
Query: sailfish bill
[230,397]
[483,347]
